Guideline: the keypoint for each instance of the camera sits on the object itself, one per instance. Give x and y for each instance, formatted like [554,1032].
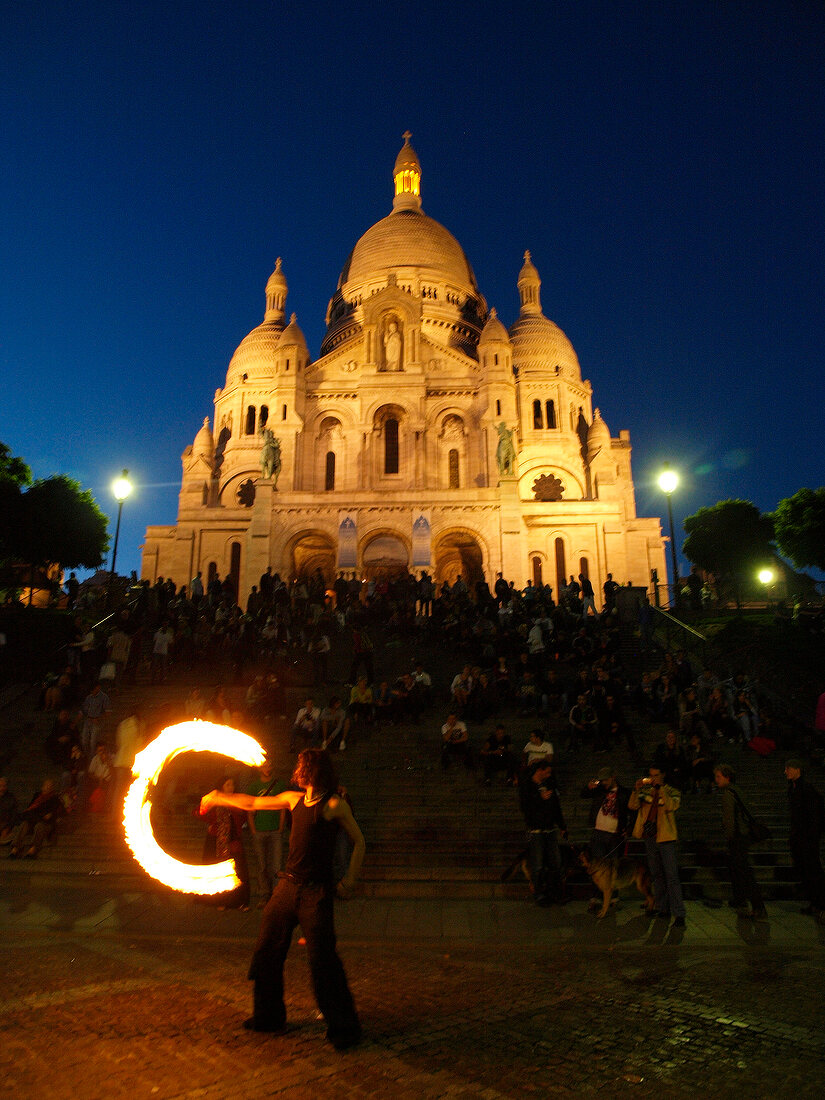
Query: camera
[647,781]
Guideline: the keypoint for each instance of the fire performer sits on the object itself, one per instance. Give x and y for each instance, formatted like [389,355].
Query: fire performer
[304,895]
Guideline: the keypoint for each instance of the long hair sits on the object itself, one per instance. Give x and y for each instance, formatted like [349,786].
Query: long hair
[314,768]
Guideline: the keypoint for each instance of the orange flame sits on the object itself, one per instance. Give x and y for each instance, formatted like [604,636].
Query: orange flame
[189,878]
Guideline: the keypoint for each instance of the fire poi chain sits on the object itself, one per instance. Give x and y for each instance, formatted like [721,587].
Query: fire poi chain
[195,736]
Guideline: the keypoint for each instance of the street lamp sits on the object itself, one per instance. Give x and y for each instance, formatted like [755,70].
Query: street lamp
[765,576]
[121,487]
[668,480]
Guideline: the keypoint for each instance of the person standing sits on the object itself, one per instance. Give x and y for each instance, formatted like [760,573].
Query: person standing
[304,895]
[608,814]
[543,816]
[588,596]
[656,825]
[807,824]
[267,830]
[95,707]
[736,826]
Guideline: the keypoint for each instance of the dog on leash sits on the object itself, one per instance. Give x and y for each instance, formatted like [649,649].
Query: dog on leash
[608,875]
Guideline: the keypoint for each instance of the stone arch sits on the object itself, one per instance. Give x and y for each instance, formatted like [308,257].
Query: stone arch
[229,490]
[573,483]
[384,553]
[392,447]
[452,451]
[329,439]
[310,551]
[458,551]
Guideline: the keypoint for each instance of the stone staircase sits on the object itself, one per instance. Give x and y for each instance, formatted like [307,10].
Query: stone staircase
[428,833]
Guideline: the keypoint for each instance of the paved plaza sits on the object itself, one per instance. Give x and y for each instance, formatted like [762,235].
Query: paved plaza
[143,995]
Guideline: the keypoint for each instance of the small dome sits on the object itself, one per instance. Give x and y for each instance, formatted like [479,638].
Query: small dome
[292,334]
[598,436]
[494,331]
[204,444]
[256,352]
[539,344]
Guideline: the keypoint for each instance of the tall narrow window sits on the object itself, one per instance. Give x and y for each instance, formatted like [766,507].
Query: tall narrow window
[263,416]
[210,572]
[537,419]
[584,568]
[537,581]
[283,413]
[391,446]
[453,464]
[250,420]
[498,408]
[561,566]
[329,476]
[235,567]
[550,408]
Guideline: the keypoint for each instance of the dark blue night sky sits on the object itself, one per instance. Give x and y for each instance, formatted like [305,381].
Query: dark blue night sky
[662,161]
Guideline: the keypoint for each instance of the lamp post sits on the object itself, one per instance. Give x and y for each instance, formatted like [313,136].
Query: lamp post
[668,480]
[766,576]
[121,487]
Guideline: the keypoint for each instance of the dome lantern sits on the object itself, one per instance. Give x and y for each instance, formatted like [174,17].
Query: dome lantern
[407,177]
[276,291]
[529,285]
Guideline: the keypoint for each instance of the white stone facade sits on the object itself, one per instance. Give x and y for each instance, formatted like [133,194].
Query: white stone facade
[389,442]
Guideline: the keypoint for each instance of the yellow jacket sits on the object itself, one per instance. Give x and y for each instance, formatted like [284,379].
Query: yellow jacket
[669,800]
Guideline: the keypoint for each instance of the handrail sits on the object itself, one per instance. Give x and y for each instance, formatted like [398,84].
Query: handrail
[679,624]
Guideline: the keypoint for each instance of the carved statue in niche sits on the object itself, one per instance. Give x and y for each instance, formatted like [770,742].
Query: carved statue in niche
[505,451]
[392,347]
[548,488]
[453,428]
[270,456]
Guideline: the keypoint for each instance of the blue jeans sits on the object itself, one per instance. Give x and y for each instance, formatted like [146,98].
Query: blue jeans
[664,870]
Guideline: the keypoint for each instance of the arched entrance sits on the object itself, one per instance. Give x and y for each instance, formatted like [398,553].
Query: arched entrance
[312,552]
[458,552]
[385,556]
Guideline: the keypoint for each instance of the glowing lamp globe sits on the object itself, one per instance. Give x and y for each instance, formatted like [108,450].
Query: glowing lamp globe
[765,576]
[121,487]
[668,480]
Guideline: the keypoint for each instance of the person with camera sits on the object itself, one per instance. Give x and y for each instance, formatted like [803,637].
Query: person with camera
[608,813]
[657,804]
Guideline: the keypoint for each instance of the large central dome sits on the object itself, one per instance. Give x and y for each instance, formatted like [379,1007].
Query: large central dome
[409,238]
[422,256]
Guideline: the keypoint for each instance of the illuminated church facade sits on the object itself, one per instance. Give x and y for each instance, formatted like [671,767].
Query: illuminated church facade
[426,435]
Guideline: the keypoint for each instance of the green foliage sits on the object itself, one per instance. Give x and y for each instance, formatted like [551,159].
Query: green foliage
[799,523]
[729,539]
[52,522]
[13,470]
[60,522]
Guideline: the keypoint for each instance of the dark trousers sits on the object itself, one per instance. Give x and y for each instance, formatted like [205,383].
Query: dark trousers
[310,906]
[808,865]
[544,861]
[744,886]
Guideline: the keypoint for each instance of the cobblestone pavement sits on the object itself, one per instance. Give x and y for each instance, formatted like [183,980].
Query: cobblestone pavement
[517,1002]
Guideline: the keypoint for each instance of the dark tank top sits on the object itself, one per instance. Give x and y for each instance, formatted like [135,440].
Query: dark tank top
[311,844]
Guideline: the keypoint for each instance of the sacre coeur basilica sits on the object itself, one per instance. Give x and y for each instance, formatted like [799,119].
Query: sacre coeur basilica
[425,436]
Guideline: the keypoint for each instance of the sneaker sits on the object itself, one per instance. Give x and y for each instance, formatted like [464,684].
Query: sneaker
[341,748]
[323,745]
